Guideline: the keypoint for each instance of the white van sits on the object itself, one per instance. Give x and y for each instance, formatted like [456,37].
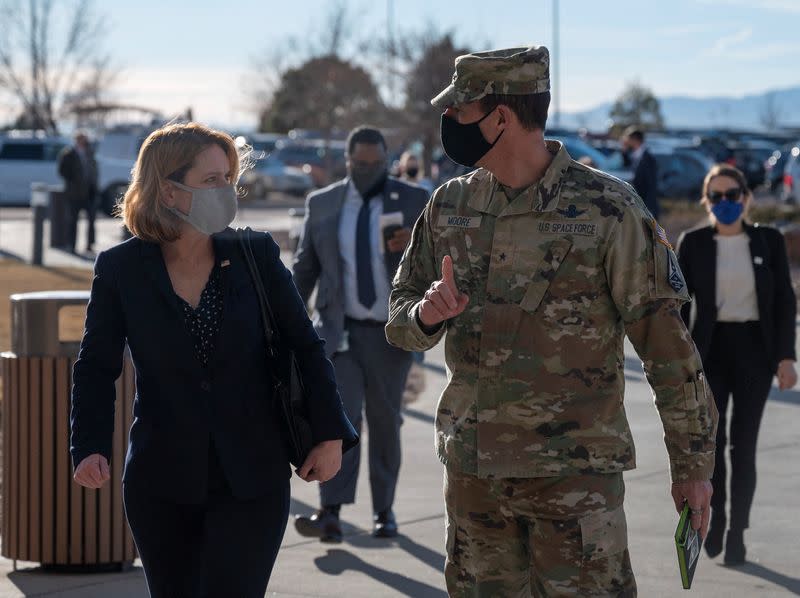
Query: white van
[116,154]
[25,158]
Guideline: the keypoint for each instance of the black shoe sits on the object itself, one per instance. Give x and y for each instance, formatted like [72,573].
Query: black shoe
[713,541]
[734,548]
[324,524]
[384,525]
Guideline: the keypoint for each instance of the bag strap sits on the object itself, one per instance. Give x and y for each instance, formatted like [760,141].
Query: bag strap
[267,318]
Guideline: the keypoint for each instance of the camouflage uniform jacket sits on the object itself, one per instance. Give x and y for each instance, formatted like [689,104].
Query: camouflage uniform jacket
[556,278]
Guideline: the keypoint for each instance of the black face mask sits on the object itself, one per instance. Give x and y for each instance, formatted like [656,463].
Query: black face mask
[369,181]
[465,144]
[412,171]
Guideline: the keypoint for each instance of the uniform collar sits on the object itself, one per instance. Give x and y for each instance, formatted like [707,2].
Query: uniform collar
[541,196]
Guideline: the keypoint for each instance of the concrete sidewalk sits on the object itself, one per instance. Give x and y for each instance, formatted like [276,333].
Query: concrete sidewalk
[411,565]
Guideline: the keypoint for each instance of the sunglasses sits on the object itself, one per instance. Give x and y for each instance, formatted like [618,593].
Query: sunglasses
[733,194]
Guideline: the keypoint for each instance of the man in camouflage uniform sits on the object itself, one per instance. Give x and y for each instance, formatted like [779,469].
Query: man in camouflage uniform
[536,267]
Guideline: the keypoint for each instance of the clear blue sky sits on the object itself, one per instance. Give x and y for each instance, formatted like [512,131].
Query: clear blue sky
[175,52]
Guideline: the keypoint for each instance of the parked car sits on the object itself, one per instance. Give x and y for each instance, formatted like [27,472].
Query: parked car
[775,165]
[791,177]
[749,157]
[578,149]
[325,162]
[681,171]
[27,157]
[263,144]
[116,155]
[270,174]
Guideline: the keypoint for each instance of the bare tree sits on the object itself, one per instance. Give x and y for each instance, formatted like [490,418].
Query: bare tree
[431,56]
[51,57]
[771,112]
[636,105]
[333,36]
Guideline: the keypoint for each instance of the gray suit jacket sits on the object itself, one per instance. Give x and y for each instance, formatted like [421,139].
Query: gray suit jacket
[318,258]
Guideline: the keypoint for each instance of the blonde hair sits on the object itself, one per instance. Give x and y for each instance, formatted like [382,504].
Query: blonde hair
[731,172]
[168,153]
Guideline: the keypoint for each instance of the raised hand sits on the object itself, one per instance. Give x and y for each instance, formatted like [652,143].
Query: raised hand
[443,300]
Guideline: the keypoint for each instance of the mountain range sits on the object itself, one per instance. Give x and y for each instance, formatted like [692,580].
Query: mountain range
[744,112]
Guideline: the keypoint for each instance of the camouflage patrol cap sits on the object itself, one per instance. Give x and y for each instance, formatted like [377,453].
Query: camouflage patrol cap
[513,71]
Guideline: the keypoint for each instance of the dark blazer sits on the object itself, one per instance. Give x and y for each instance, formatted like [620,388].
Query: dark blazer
[80,184]
[777,306]
[645,182]
[180,405]
[318,258]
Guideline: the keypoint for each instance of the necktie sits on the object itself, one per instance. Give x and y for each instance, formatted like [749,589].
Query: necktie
[366,282]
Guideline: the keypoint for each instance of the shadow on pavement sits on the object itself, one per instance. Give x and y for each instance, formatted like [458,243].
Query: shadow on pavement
[337,561]
[779,579]
[420,415]
[433,559]
[37,582]
[791,397]
[633,370]
[10,256]
[435,367]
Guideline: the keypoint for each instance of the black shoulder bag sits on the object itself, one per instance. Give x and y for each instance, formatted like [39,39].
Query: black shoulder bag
[289,392]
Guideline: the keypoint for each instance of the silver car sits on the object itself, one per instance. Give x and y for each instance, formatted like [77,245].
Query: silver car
[270,174]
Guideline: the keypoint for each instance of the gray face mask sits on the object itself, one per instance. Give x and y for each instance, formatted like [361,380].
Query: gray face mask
[212,209]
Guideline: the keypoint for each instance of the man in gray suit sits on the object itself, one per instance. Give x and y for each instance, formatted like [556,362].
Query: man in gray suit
[353,237]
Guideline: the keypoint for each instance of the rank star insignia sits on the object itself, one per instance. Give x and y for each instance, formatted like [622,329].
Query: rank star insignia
[572,211]
[502,257]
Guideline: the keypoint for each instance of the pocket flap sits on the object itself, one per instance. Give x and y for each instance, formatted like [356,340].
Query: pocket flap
[604,534]
[545,272]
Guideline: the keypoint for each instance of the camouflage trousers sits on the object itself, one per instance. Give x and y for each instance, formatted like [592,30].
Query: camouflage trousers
[559,536]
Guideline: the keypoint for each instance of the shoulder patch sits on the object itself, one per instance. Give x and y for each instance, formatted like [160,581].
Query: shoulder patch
[674,277]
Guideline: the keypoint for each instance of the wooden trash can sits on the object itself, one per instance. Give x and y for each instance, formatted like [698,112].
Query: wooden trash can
[47,517]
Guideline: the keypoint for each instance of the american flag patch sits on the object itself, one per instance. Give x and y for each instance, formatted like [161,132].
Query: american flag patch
[661,234]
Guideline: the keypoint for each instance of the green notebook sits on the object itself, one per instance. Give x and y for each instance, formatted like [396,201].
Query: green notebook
[687,541]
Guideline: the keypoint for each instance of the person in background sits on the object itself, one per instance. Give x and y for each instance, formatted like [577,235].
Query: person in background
[206,479]
[354,234]
[744,329]
[410,171]
[645,169]
[78,168]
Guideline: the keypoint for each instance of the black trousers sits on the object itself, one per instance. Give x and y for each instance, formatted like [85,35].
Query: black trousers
[223,547]
[371,376]
[75,208]
[737,369]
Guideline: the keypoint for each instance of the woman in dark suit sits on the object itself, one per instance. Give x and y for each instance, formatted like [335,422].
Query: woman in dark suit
[743,324]
[206,480]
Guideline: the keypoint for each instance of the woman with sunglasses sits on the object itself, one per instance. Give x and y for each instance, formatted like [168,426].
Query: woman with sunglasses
[743,324]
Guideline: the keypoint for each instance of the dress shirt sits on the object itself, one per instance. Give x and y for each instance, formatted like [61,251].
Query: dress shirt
[347,246]
[637,154]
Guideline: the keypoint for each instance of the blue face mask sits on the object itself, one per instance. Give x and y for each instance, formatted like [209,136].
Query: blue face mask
[727,211]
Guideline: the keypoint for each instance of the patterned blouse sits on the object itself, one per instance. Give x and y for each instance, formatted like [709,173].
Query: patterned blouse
[203,322]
